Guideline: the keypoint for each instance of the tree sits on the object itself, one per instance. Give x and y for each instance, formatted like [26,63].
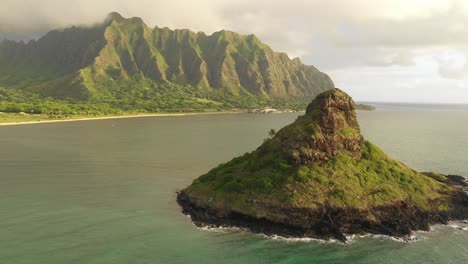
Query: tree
[271,133]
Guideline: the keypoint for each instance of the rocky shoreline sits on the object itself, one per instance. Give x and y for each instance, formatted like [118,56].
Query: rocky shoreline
[398,220]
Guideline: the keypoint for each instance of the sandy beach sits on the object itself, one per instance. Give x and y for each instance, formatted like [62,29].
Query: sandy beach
[111,117]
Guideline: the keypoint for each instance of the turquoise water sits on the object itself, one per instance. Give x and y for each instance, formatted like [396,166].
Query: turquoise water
[104,191]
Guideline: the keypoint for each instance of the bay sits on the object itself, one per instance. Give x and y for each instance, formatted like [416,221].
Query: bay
[104,191]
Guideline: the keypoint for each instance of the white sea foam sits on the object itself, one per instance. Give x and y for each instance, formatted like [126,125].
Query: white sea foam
[229,229]
[412,238]
[301,239]
[221,229]
[351,238]
[459,225]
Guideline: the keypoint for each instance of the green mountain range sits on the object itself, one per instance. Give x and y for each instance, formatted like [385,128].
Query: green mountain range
[124,64]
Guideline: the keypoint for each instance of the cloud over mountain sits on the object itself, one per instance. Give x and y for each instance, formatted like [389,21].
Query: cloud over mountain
[334,35]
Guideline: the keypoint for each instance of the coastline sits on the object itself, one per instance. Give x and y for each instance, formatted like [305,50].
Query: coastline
[111,117]
[399,220]
[350,238]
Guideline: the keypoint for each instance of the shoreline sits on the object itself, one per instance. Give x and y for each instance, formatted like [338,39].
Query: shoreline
[350,238]
[399,220]
[112,117]
[330,224]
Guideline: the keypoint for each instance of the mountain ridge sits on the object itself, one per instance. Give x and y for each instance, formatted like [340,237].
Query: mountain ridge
[125,56]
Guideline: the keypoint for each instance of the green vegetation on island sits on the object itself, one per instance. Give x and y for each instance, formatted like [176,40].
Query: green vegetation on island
[318,177]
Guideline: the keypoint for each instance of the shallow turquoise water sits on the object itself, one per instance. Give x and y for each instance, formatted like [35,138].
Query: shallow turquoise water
[104,191]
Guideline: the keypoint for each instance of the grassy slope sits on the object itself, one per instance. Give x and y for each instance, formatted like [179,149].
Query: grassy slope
[343,181]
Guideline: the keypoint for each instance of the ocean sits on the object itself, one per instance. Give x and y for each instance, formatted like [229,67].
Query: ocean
[104,191]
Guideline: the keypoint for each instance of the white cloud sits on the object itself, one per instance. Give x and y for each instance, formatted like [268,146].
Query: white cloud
[344,38]
[452,64]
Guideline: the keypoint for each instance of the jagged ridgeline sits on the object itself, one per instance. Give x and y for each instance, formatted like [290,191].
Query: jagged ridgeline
[125,63]
[318,177]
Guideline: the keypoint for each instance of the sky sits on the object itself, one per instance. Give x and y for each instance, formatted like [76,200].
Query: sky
[376,50]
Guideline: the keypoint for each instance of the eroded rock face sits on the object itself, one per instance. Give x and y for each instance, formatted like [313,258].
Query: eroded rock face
[327,222]
[333,128]
[337,111]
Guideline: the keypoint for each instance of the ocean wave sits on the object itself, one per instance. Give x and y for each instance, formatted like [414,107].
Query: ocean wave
[351,238]
[457,225]
[221,228]
[301,239]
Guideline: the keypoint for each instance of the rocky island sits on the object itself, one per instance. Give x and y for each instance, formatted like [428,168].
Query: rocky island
[318,177]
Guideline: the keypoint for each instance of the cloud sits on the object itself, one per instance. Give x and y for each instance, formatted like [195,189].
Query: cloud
[34,16]
[333,35]
[371,32]
[452,64]
[301,28]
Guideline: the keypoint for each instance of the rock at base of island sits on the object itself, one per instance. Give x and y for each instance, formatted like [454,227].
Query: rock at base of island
[397,220]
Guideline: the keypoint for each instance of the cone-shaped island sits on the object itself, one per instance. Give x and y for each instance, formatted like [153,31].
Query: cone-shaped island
[318,177]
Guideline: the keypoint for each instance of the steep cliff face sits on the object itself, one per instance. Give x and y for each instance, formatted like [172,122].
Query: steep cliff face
[50,66]
[318,177]
[329,128]
[223,60]
[102,60]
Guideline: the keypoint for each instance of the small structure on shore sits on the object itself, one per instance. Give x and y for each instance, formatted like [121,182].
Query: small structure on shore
[264,110]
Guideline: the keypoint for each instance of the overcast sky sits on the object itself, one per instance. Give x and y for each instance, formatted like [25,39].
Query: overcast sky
[377,50]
